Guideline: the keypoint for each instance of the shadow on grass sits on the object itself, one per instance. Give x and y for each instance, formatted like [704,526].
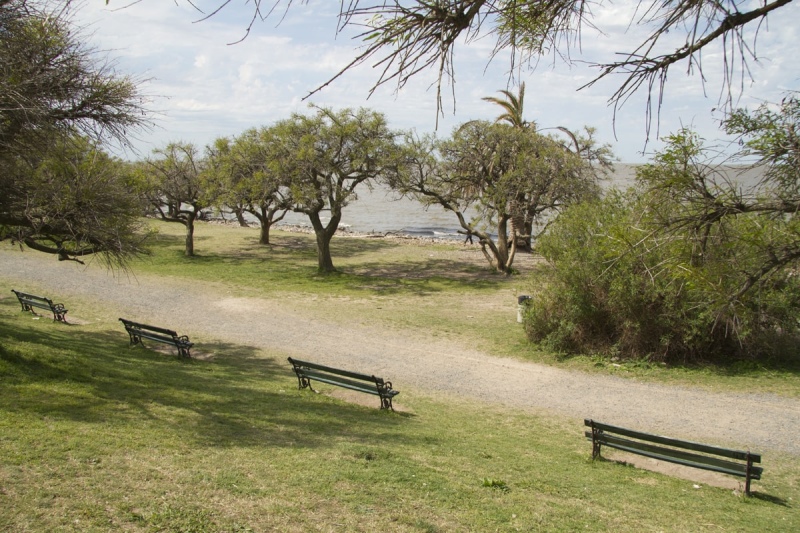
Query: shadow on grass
[294,262]
[769,499]
[736,368]
[236,399]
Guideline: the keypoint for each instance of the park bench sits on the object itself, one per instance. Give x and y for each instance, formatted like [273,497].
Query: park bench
[733,462]
[138,332]
[343,378]
[29,301]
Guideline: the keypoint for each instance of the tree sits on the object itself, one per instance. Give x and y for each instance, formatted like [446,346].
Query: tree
[711,199]
[241,173]
[404,38]
[598,157]
[324,157]
[223,177]
[57,99]
[513,107]
[72,201]
[505,174]
[171,183]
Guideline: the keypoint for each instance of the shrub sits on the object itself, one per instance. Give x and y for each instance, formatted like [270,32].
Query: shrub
[614,283]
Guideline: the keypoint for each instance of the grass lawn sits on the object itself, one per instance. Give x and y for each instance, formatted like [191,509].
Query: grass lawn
[96,436]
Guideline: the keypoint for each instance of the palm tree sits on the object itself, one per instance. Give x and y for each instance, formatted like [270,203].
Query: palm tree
[513,106]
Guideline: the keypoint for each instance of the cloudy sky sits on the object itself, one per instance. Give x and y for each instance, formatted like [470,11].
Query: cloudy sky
[201,87]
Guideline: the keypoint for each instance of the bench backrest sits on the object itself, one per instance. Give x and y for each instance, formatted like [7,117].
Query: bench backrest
[677,443]
[336,371]
[131,324]
[33,297]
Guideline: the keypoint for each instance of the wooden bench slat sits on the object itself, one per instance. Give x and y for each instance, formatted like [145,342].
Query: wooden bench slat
[674,451]
[338,371]
[344,382]
[356,381]
[669,441]
[153,337]
[676,456]
[157,329]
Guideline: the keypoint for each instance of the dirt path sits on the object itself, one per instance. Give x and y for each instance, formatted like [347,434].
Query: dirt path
[416,361]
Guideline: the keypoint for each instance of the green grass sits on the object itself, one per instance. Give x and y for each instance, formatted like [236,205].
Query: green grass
[97,436]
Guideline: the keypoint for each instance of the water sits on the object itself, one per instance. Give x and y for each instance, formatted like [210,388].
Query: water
[380,211]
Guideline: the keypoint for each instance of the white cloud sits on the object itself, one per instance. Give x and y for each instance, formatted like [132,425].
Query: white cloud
[205,87]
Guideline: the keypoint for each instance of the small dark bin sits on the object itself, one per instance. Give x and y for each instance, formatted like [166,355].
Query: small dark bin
[523,301]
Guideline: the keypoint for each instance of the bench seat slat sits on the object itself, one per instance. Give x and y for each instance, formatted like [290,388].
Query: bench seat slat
[337,371]
[368,387]
[161,338]
[694,446]
[676,456]
[36,303]
[157,329]
[345,384]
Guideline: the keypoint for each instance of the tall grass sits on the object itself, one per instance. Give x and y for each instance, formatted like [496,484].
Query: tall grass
[97,436]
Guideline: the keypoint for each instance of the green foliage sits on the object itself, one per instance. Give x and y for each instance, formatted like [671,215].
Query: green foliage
[496,484]
[511,178]
[688,267]
[324,157]
[73,201]
[240,176]
[513,105]
[60,193]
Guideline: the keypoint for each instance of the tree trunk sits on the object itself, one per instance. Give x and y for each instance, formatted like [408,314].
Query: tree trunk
[263,236]
[325,262]
[324,235]
[239,212]
[264,225]
[525,242]
[504,258]
[189,252]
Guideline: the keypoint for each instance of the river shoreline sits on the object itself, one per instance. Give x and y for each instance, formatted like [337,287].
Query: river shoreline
[346,232]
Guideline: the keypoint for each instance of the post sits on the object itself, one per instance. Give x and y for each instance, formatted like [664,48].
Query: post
[747,474]
[595,441]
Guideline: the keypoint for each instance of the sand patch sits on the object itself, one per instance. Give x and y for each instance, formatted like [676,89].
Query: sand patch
[366,400]
[243,305]
[697,476]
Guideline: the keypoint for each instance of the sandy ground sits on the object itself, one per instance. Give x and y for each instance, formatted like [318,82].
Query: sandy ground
[417,362]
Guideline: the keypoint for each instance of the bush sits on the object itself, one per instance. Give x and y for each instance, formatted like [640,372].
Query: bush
[613,283]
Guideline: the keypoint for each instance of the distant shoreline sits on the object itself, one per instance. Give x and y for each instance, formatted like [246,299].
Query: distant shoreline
[348,233]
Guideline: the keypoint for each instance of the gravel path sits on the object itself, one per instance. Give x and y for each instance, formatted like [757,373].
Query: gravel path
[416,361]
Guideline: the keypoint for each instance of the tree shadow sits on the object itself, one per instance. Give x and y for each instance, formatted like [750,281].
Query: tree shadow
[236,398]
[295,256]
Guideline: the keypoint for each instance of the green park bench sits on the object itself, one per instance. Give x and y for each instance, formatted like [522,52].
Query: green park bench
[343,378]
[29,301]
[693,454]
[139,331]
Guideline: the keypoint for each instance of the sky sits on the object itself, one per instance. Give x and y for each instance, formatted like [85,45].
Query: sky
[199,86]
